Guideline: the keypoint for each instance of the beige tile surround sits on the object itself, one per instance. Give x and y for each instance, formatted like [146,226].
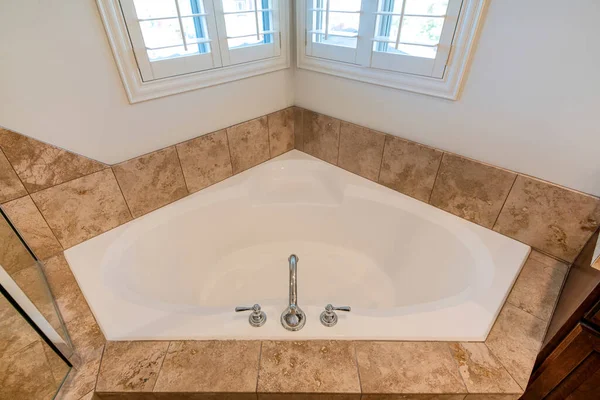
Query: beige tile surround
[57,199]
[498,368]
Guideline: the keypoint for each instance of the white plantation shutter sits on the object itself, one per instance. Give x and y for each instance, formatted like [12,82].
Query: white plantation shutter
[177,37]
[248,30]
[419,38]
[171,39]
[407,36]
[323,39]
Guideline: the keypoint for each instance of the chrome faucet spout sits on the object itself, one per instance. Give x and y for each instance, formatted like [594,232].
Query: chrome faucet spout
[293,261]
[293,318]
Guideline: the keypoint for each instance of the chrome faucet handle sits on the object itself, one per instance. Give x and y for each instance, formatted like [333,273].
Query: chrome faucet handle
[257,318]
[329,318]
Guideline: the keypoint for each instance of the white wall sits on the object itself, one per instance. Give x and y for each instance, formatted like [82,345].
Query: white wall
[531,102]
[59,84]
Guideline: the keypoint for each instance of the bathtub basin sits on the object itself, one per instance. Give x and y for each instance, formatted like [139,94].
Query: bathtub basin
[408,270]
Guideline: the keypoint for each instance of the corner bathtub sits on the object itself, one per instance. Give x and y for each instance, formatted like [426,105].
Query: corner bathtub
[408,270]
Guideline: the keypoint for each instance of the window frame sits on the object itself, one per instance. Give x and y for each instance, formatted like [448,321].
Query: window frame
[139,90]
[449,86]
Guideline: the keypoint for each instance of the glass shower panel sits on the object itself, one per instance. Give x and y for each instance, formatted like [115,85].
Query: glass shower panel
[34,342]
[29,367]
[20,269]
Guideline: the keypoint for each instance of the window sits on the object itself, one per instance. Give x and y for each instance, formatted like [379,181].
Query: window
[164,47]
[418,45]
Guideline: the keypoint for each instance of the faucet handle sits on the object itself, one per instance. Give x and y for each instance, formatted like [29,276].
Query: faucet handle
[329,318]
[257,318]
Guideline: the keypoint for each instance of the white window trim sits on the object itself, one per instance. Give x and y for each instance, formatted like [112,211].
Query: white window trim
[449,87]
[138,90]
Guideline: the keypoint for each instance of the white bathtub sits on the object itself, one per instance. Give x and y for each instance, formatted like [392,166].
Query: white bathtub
[408,270]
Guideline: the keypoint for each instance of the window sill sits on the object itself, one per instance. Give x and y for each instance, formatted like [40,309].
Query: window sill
[138,91]
[447,88]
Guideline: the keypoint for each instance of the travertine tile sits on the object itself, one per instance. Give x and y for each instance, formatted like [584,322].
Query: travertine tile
[205,160]
[481,371]
[40,165]
[493,397]
[81,380]
[515,340]
[27,375]
[298,128]
[545,259]
[64,288]
[210,366]
[10,184]
[413,397]
[83,208]
[86,336]
[58,367]
[15,332]
[28,220]
[33,284]
[538,286]
[309,367]
[321,136]
[360,150]
[408,367]
[470,189]
[13,255]
[409,167]
[548,217]
[281,131]
[131,366]
[151,181]
[249,144]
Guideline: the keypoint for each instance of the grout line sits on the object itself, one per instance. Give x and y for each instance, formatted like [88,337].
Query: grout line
[304,131]
[258,371]
[71,180]
[48,361]
[451,354]
[122,194]
[161,366]
[293,112]
[43,217]
[436,177]
[47,223]
[269,137]
[229,150]
[62,246]
[507,301]
[357,368]
[16,173]
[337,161]
[504,366]
[545,253]
[20,349]
[385,142]
[99,364]
[301,127]
[183,173]
[505,201]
